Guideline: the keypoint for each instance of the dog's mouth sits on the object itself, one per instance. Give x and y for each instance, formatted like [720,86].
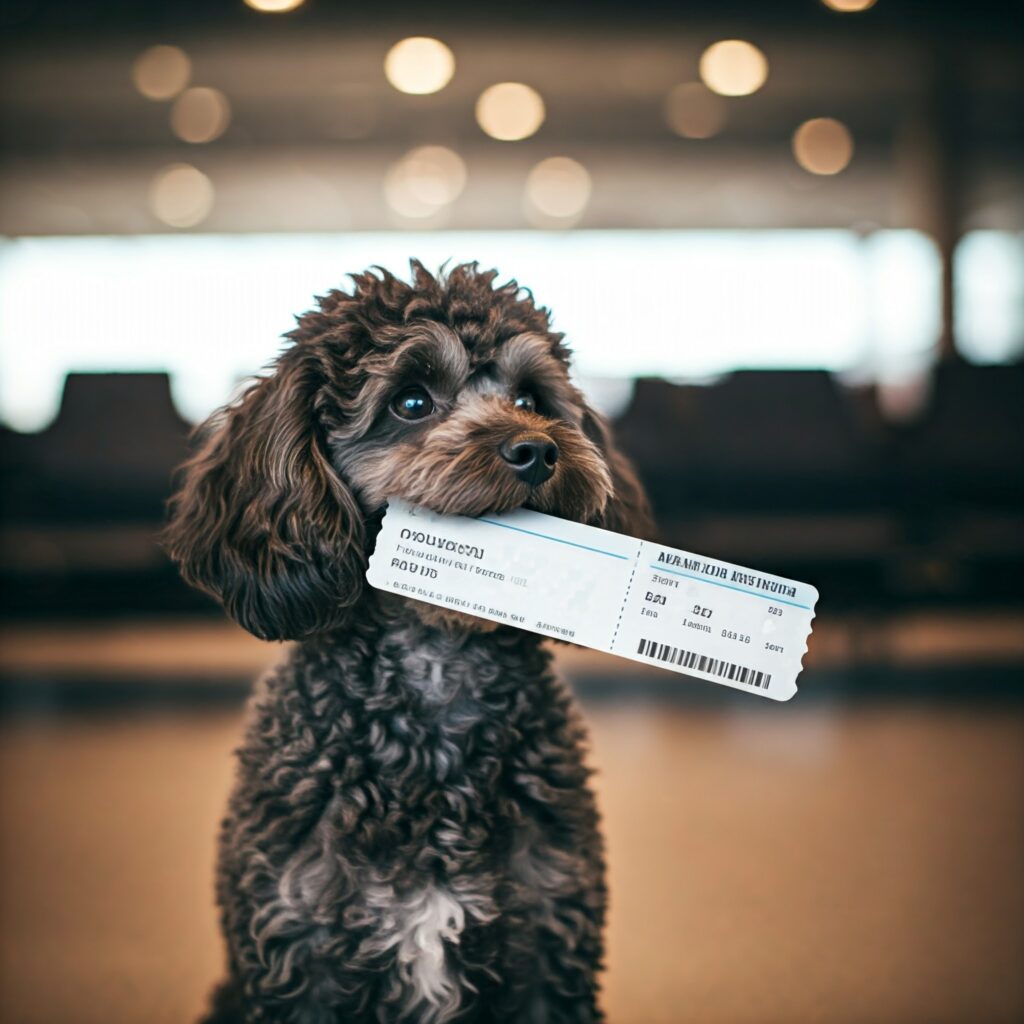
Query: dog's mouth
[496,505]
[473,480]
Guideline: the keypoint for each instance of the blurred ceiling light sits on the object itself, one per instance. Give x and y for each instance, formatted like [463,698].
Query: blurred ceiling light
[181,196]
[510,111]
[274,6]
[200,115]
[849,6]
[822,145]
[425,180]
[419,65]
[733,67]
[161,72]
[694,111]
[558,188]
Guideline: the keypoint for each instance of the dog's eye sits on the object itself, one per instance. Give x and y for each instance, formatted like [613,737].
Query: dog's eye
[412,404]
[524,400]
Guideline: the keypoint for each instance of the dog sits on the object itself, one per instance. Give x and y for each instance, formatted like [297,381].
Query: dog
[411,836]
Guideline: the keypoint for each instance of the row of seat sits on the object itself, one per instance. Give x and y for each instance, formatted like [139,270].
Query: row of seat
[799,440]
[757,440]
[787,471]
[108,456]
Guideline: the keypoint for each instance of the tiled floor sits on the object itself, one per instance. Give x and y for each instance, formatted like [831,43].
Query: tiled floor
[779,863]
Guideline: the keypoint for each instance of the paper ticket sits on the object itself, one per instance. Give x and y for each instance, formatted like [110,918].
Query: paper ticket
[641,600]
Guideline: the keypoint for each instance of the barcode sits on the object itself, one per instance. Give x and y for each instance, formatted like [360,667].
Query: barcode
[701,662]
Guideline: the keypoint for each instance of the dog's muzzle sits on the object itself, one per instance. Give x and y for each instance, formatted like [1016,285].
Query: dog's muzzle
[531,456]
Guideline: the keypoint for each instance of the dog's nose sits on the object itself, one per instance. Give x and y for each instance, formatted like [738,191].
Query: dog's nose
[531,456]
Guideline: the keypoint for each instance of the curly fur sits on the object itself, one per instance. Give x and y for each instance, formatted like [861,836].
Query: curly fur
[411,835]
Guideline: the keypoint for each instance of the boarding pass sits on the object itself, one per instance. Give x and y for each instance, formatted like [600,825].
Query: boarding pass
[654,604]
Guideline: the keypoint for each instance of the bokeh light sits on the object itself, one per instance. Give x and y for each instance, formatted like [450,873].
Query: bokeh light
[849,6]
[733,67]
[274,6]
[200,115]
[419,65]
[425,180]
[161,72]
[558,188]
[181,196]
[694,111]
[510,111]
[823,145]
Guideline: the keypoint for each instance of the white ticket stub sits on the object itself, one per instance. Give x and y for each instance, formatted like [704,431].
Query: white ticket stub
[640,600]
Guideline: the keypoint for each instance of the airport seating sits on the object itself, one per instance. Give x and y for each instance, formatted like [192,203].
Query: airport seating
[788,471]
[107,457]
[757,441]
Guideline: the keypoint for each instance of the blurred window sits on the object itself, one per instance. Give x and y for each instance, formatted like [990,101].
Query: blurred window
[988,270]
[210,309]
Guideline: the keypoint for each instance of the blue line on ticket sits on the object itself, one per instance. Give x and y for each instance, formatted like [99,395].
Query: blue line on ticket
[679,611]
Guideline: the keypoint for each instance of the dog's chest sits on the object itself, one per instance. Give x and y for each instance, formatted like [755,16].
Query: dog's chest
[413,756]
[430,752]
[441,672]
[430,674]
[404,866]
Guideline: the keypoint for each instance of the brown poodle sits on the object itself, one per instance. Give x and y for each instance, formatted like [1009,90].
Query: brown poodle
[411,835]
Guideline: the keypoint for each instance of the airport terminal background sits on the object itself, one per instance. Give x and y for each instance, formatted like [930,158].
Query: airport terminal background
[792,273]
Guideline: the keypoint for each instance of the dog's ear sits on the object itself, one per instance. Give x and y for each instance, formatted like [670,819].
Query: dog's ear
[628,511]
[262,521]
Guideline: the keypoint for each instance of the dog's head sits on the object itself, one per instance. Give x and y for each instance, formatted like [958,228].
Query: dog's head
[449,392]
